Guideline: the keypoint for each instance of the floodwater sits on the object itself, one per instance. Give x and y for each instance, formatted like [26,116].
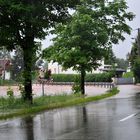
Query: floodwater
[116,118]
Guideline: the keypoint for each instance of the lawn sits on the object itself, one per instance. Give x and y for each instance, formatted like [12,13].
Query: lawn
[14,107]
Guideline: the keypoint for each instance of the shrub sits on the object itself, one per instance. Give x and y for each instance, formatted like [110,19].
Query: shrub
[128,75]
[22,92]
[63,77]
[10,92]
[103,77]
[76,86]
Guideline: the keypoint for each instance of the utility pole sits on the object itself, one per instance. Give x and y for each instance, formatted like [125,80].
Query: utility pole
[138,42]
[4,62]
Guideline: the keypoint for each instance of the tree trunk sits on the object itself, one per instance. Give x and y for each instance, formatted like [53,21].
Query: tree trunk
[83,81]
[28,57]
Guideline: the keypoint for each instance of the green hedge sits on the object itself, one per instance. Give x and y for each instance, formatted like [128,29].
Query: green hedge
[128,75]
[64,77]
[7,82]
[104,77]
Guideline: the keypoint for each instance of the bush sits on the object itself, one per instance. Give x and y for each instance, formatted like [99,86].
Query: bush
[76,86]
[128,75]
[7,82]
[103,77]
[10,92]
[63,77]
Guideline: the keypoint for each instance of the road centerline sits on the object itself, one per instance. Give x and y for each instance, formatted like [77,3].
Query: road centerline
[128,117]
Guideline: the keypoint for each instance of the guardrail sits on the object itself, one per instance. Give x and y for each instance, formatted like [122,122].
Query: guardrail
[100,84]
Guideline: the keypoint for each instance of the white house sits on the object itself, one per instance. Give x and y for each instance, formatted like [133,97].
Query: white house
[57,69]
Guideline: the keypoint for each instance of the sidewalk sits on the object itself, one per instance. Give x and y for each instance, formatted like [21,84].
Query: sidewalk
[55,89]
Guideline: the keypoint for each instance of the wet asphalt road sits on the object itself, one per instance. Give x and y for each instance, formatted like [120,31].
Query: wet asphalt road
[116,118]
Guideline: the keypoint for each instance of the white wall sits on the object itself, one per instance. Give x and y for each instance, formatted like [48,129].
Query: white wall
[57,69]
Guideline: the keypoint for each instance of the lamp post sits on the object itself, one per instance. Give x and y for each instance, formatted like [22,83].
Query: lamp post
[4,63]
[138,41]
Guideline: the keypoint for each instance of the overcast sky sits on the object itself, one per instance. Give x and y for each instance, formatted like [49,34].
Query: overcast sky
[122,48]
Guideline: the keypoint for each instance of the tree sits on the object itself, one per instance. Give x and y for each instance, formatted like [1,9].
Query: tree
[4,53]
[17,64]
[134,57]
[21,22]
[122,63]
[85,40]
[136,69]
[110,57]
[133,54]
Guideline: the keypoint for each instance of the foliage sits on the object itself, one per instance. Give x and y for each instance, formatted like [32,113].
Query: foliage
[110,57]
[103,77]
[122,63]
[17,64]
[128,75]
[7,82]
[134,57]
[22,91]
[86,38]
[63,77]
[10,92]
[23,22]
[136,69]
[76,86]
[133,54]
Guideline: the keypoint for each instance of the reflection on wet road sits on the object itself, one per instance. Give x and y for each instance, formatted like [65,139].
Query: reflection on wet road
[94,121]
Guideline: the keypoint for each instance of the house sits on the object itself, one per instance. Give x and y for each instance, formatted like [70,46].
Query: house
[5,65]
[118,71]
[58,69]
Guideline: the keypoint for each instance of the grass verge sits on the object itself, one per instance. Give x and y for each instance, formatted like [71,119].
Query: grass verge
[10,108]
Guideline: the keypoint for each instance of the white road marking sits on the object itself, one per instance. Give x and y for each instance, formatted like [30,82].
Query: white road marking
[128,117]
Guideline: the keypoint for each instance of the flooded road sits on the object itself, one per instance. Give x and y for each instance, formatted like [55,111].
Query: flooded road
[116,118]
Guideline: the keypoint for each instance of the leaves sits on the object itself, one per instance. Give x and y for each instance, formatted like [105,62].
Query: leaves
[85,39]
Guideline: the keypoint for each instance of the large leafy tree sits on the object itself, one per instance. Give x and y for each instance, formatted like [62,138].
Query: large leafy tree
[23,21]
[110,59]
[17,64]
[122,63]
[133,54]
[85,40]
[134,57]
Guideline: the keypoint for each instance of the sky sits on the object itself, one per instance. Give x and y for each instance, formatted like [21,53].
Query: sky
[124,47]
[120,50]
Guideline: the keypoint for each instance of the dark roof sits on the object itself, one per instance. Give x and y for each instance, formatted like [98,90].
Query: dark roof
[117,69]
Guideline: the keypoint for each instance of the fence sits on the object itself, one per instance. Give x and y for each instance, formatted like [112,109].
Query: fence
[100,84]
[121,81]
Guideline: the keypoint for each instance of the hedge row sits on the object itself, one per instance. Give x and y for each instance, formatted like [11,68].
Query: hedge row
[103,77]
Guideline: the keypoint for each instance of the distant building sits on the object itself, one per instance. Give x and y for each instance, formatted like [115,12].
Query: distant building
[118,71]
[5,65]
[58,69]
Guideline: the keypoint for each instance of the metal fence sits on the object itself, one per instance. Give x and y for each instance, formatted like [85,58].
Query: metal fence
[121,81]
